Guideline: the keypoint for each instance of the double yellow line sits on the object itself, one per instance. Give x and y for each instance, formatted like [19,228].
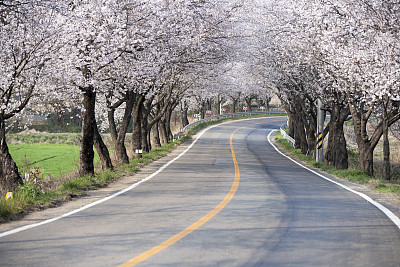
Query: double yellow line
[196,225]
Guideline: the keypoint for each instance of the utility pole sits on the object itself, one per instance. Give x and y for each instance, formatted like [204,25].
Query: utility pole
[319,156]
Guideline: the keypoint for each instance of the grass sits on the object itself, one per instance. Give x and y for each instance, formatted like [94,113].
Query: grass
[54,160]
[352,175]
[64,138]
[31,196]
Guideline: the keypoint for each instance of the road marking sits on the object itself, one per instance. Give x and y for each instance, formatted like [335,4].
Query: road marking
[385,210]
[199,223]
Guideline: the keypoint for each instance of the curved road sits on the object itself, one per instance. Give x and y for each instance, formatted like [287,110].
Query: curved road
[267,211]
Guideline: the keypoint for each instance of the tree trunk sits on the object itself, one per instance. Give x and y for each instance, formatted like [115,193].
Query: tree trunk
[234,105]
[386,147]
[184,114]
[155,141]
[203,110]
[10,178]
[291,124]
[144,138]
[336,153]
[102,150]
[366,159]
[168,115]
[137,134]
[163,131]
[120,149]
[112,125]
[365,144]
[136,126]
[248,103]
[87,140]
[311,140]
[300,136]
[299,129]
[219,103]
[267,101]
[386,153]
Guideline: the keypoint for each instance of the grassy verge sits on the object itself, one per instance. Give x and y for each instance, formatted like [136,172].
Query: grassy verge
[29,196]
[352,175]
[53,160]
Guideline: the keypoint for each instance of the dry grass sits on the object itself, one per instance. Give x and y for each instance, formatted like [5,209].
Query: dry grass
[378,152]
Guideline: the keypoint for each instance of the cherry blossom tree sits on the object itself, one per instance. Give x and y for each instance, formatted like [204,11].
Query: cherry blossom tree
[27,45]
[362,43]
[350,50]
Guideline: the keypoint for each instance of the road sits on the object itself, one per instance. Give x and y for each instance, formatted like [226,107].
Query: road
[249,206]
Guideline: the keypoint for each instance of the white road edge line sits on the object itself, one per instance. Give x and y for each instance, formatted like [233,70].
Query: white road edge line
[385,210]
[26,227]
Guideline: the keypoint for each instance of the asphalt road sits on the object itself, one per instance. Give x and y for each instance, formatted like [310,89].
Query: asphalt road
[270,212]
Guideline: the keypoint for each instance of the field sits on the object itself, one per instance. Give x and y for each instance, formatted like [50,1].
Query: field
[53,160]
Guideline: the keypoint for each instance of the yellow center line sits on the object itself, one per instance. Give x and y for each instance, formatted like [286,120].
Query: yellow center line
[147,254]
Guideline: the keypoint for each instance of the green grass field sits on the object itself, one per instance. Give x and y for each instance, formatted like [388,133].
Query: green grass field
[52,159]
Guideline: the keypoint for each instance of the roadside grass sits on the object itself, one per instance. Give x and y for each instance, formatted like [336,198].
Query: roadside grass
[352,175]
[53,160]
[30,196]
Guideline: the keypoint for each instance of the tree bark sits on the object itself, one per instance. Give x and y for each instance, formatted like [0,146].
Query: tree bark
[144,130]
[155,141]
[311,139]
[136,126]
[386,152]
[219,101]
[366,159]
[203,110]
[184,114]
[235,102]
[336,153]
[112,125]
[87,140]
[248,100]
[309,120]
[168,115]
[386,147]
[160,111]
[137,136]
[120,149]
[291,123]
[10,178]
[102,150]
[299,128]
[300,135]
[267,101]
[163,131]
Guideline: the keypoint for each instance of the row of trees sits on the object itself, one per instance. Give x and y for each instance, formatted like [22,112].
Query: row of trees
[121,62]
[347,53]
[133,62]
